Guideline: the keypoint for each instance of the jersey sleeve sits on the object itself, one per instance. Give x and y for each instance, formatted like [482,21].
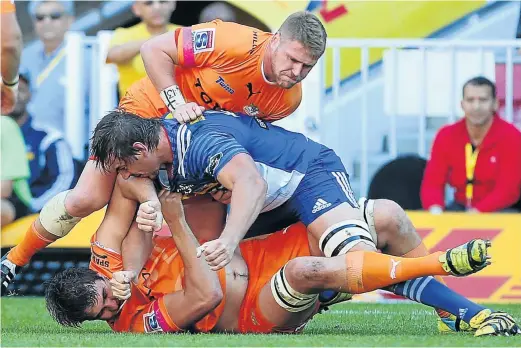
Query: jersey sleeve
[216,44]
[151,317]
[210,152]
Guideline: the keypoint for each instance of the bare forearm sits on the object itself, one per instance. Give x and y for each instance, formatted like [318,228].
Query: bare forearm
[198,276]
[160,62]
[135,249]
[11,47]
[248,198]
[124,53]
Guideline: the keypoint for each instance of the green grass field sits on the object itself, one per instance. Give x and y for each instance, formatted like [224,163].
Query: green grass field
[25,322]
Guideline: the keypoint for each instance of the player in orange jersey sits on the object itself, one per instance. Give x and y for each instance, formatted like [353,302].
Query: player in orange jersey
[11,47]
[270,286]
[217,65]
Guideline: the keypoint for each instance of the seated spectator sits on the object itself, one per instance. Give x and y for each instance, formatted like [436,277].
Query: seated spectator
[126,42]
[49,155]
[217,10]
[479,156]
[15,169]
[43,63]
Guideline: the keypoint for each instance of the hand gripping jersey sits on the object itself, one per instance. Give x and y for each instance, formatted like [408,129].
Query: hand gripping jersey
[203,147]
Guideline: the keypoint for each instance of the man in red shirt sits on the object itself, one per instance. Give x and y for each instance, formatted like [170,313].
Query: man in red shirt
[479,156]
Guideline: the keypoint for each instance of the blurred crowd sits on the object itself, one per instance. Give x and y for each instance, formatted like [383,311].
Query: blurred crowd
[478,156]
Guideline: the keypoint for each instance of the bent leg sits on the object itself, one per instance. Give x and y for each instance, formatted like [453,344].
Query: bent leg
[64,211]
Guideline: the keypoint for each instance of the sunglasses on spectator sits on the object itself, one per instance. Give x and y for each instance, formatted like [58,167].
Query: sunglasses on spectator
[150,3]
[54,16]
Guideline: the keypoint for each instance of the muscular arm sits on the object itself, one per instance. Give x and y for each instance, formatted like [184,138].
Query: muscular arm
[202,291]
[240,176]
[117,231]
[124,53]
[159,56]
[11,44]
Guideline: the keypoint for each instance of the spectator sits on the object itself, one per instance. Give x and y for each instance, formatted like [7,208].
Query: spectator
[49,155]
[11,46]
[479,156]
[126,42]
[43,63]
[15,169]
[217,10]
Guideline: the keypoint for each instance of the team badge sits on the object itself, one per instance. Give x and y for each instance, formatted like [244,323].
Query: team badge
[151,323]
[203,40]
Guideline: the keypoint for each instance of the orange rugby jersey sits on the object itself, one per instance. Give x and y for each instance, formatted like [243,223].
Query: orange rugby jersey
[219,66]
[163,273]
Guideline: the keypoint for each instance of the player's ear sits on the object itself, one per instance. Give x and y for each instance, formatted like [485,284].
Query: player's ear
[140,147]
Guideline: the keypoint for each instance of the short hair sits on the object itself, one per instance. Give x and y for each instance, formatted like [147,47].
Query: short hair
[70,293]
[480,81]
[116,133]
[306,28]
[68,6]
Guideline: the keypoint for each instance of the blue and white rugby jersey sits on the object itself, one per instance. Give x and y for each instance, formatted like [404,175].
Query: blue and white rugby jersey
[204,146]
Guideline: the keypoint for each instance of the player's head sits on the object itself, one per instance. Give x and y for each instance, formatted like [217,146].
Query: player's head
[76,295]
[479,100]
[154,13]
[127,143]
[52,19]
[296,47]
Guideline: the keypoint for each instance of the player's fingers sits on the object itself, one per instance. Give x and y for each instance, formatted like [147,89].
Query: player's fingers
[220,265]
[147,216]
[197,110]
[217,195]
[200,250]
[146,222]
[115,285]
[216,255]
[202,108]
[122,295]
[214,247]
[145,228]
[145,208]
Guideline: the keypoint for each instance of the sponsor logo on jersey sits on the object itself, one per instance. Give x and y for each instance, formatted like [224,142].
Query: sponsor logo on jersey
[220,81]
[150,322]
[203,40]
[249,85]
[100,260]
[261,123]
[255,39]
[213,162]
[251,110]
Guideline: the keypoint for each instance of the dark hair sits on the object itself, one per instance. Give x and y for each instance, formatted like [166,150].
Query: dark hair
[116,133]
[480,81]
[70,293]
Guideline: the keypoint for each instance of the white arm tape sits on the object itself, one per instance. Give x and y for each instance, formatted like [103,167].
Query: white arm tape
[55,219]
[172,97]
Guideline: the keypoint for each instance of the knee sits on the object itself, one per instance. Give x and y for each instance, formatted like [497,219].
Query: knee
[81,204]
[305,273]
[392,223]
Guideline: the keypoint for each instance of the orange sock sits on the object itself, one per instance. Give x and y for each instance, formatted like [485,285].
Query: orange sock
[368,271]
[419,251]
[30,245]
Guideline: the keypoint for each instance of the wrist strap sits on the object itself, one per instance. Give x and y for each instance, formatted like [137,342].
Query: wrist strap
[172,97]
[12,83]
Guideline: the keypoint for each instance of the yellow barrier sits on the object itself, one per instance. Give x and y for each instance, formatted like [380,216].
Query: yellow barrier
[365,19]
[500,282]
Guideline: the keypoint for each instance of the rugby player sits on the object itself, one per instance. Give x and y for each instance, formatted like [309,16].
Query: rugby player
[216,65]
[271,285]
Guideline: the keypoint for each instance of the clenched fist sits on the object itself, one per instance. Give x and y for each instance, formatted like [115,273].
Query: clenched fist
[149,216]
